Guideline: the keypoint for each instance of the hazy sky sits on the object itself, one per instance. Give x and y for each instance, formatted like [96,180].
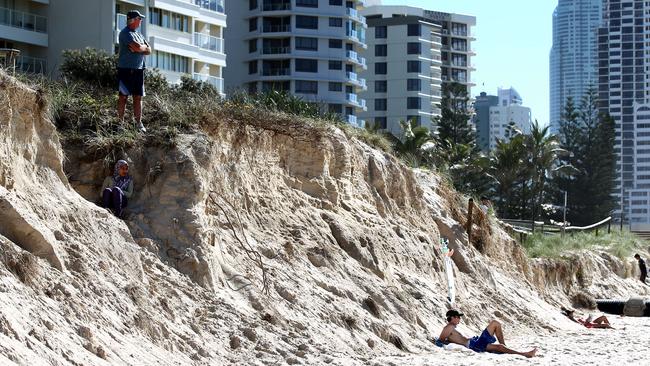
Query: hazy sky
[513,41]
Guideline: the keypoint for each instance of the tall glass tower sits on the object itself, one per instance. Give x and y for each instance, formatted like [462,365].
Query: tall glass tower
[624,93]
[573,58]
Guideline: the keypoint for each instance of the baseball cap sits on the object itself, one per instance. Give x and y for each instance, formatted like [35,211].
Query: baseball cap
[134,14]
[452,313]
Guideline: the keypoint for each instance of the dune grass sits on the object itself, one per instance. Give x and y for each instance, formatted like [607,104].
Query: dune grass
[621,244]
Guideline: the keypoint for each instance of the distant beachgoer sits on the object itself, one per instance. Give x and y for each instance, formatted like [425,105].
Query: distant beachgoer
[484,342]
[642,267]
[589,322]
[485,205]
[117,189]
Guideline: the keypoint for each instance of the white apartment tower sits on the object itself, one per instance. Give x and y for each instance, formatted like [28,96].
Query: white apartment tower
[24,34]
[309,48]
[509,112]
[624,92]
[411,53]
[573,57]
[186,35]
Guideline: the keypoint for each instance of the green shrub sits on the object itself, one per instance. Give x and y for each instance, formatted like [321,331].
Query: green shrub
[91,66]
[620,244]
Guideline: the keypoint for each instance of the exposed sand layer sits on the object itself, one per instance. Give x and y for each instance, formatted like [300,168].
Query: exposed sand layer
[347,236]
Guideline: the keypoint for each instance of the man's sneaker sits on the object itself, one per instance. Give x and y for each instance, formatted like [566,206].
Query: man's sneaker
[140,127]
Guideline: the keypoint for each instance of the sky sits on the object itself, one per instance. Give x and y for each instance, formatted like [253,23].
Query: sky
[513,41]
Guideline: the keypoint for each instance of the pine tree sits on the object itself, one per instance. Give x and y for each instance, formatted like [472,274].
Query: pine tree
[589,137]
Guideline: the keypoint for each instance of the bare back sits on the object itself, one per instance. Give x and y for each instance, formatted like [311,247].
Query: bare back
[449,334]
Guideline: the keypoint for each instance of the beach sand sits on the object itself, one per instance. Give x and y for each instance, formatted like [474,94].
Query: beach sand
[625,345]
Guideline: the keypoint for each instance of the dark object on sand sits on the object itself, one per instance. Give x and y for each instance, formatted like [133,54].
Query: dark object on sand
[617,306]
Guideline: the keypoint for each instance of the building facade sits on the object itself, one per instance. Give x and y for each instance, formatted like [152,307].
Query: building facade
[309,48]
[411,53]
[624,92]
[186,35]
[24,33]
[573,57]
[507,114]
[482,106]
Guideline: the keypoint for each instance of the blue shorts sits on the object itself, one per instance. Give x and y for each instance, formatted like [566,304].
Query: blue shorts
[479,344]
[131,81]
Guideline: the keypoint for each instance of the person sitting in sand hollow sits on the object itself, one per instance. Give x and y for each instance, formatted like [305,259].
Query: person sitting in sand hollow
[484,342]
[117,189]
[600,322]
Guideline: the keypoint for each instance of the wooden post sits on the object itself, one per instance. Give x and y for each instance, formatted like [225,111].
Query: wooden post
[470,206]
[609,226]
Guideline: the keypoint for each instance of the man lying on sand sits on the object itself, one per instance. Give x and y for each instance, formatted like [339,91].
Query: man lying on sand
[482,343]
[600,322]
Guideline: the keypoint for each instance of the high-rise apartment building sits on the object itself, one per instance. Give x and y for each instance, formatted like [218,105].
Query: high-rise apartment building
[186,35]
[508,113]
[482,106]
[573,57]
[624,92]
[24,34]
[411,53]
[310,48]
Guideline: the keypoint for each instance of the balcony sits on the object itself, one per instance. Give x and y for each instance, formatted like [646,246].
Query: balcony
[211,5]
[208,42]
[22,20]
[354,56]
[32,65]
[273,28]
[354,14]
[276,71]
[276,6]
[351,119]
[212,80]
[276,50]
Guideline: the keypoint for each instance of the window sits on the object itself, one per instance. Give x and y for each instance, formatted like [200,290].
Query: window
[335,65]
[306,87]
[413,66]
[307,3]
[305,65]
[413,103]
[413,30]
[170,62]
[380,68]
[306,44]
[380,104]
[381,31]
[381,122]
[336,2]
[413,85]
[252,24]
[252,46]
[381,86]
[381,50]
[252,67]
[413,48]
[336,43]
[336,22]
[170,20]
[306,22]
[252,4]
[335,87]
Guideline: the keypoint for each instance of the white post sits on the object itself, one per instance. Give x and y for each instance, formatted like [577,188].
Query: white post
[564,215]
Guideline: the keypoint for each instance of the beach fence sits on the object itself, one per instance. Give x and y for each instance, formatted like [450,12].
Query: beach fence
[523,228]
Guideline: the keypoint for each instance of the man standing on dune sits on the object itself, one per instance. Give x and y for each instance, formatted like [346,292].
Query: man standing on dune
[130,67]
[642,267]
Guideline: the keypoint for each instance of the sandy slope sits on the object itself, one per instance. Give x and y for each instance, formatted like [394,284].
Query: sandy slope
[346,233]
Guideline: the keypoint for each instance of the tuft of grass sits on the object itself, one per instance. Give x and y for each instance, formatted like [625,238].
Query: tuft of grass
[621,244]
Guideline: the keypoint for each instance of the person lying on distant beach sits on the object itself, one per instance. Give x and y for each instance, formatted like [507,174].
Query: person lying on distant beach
[601,322]
[484,342]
